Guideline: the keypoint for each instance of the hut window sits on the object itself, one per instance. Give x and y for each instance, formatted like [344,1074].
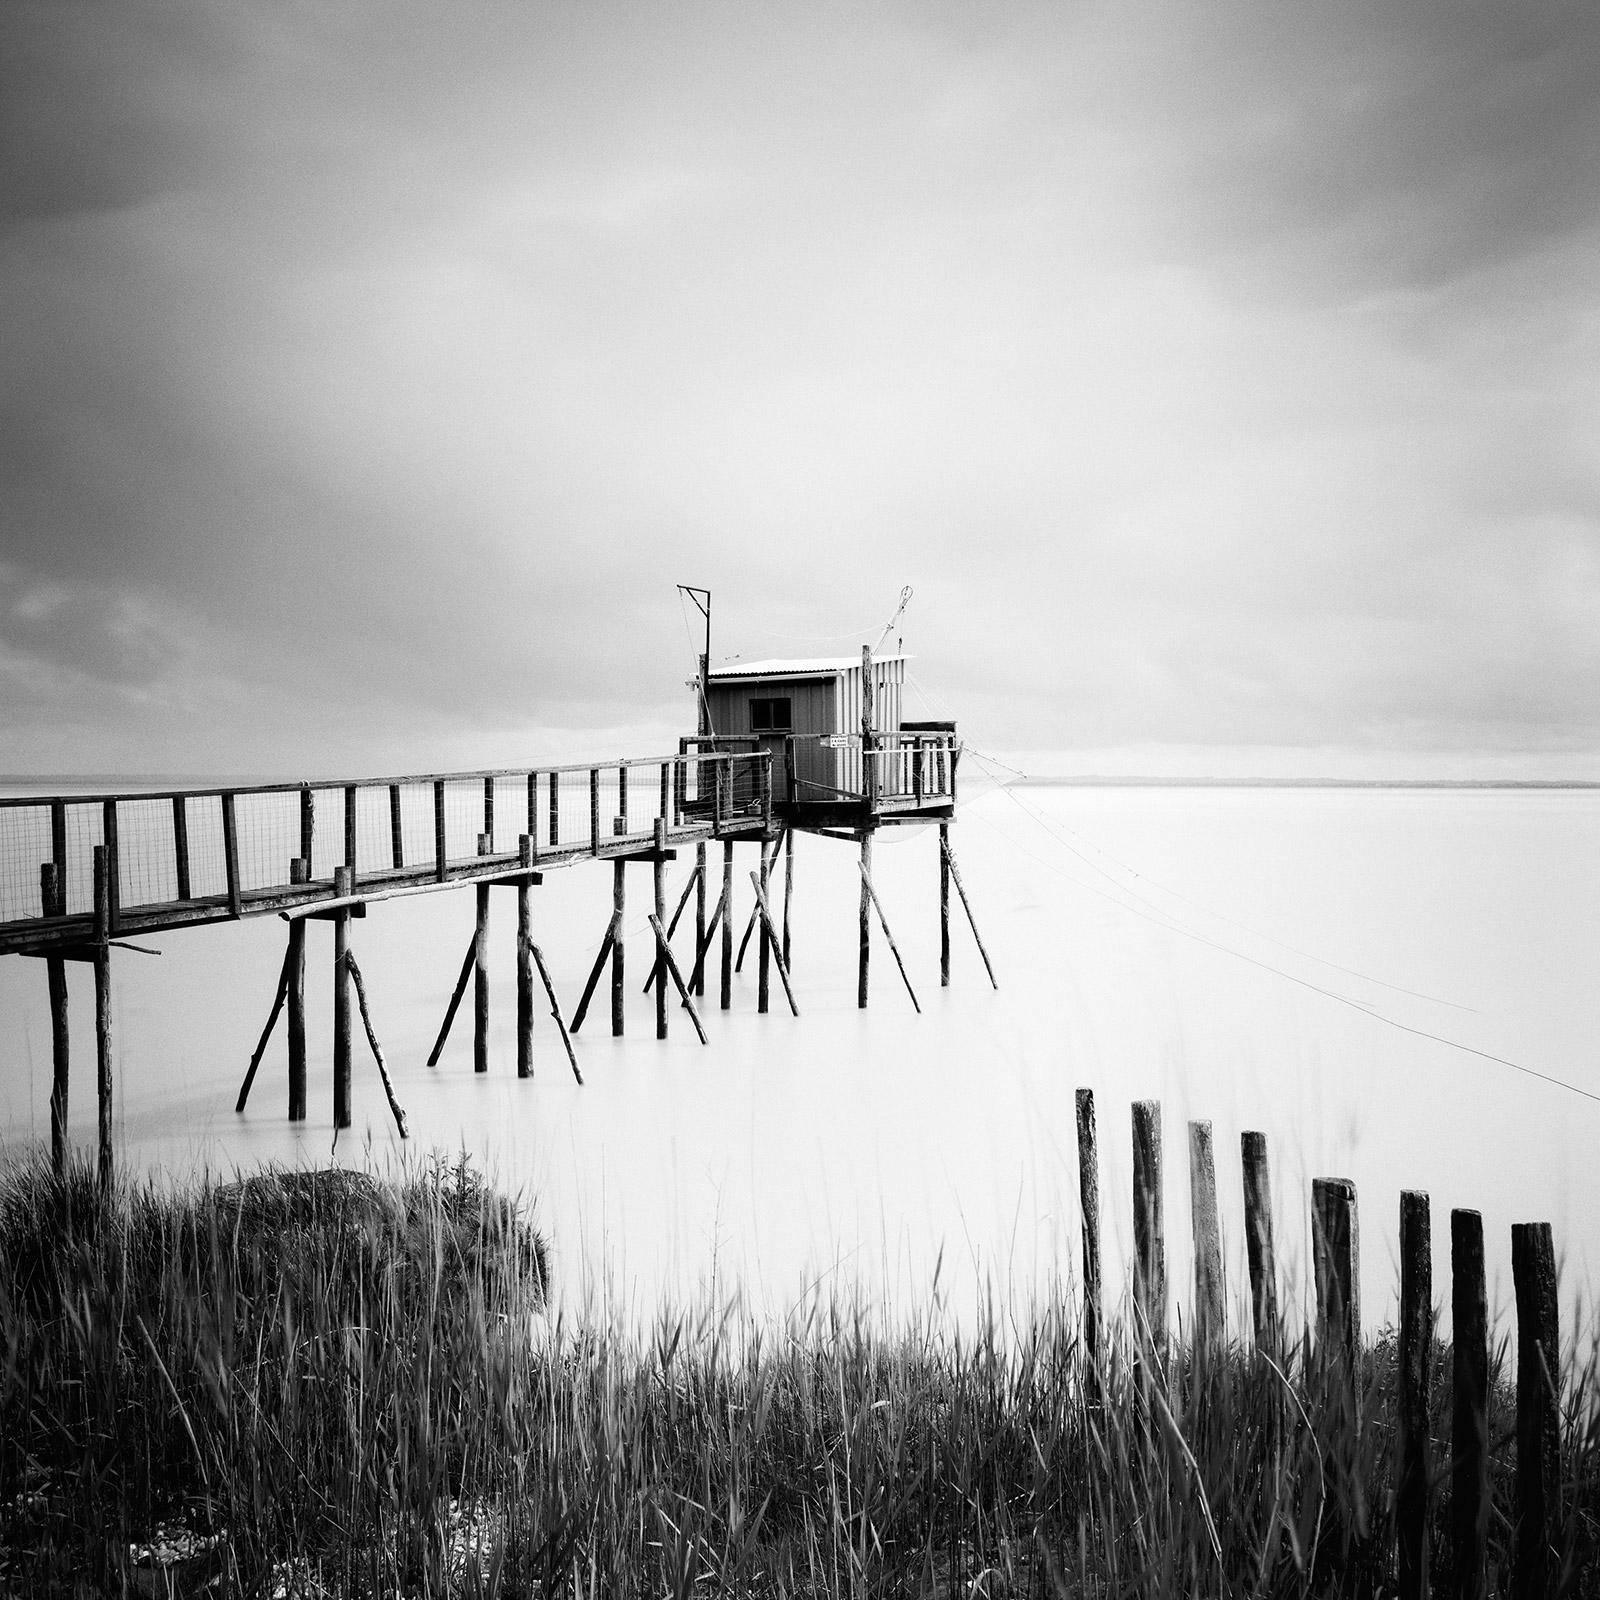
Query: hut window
[771,716]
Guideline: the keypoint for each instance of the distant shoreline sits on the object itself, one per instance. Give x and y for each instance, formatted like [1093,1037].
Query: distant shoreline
[1102,782]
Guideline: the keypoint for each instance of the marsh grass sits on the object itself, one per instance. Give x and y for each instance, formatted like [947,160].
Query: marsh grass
[323,1385]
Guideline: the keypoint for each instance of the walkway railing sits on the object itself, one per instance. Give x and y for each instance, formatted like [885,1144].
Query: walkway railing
[198,855]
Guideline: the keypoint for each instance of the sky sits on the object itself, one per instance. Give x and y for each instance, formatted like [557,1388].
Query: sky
[1220,378]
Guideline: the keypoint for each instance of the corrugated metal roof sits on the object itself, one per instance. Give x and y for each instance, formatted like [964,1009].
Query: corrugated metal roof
[780,668]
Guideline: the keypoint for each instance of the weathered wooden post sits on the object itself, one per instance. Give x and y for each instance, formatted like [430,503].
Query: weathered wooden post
[1210,1315]
[1258,1240]
[788,888]
[944,905]
[308,826]
[480,960]
[1150,1245]
[697,978]
[525,953]
[102,1003]
[349,827]
[865,936]
[180,845]
[619,900]
[341,1001]
[1469,1410]
[869,778]
[659,867]
[763,950]
[727,925]
[441,863]
[1089,1200]
[53,903]
[299,872]
[397,836]
[1336,1251]
[1533,1270]
[1415,1362]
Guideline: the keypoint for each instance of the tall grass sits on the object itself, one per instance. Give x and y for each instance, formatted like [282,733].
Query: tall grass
[350,1389]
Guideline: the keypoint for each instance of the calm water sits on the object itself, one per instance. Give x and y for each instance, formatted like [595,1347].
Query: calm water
[1223,950]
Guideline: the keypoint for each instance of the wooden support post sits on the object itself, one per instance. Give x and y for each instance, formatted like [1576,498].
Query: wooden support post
[966,905]
[397,837]
[341,1002]
[594,973]
[672,926]
[1415,1364]
[864,936]
[180,845]
[350,831]
[1089,1200]
[441,865]
[1258,1241]
[1469,1408]
[727,925]
[670,967]
[1210,1314]
[555,1010]
[53,903]
[697,978]
[1149,1239]
[771,932]
[372,1039]
[894,949]
[480,967]
[788,890]
[764,953]
[113,862]
[468,965]
[1536,1558]
[658,869]
[266,1032]
[299,872]
[230,852]
[525,961]
[1336,1251]
[944,905]
[619,895]
[102,1005]
[308,827]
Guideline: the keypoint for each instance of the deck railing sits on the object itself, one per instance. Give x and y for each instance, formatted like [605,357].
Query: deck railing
[228,850]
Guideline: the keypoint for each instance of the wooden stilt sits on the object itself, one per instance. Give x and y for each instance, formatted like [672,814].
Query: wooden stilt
[467,965]
[1415,1368]
[764,954]
[1258,1239]
[944,905]
[883,922]
[525,962]
[594,973]
[773,940]
[865,947]
[299,872]
[555,1010]
[727,925]
[618,914]
[102,1005]
[750,925]
[669,966]
[966,905]
[1210,1318]
[697,978]
[1469,1424]
[658,870]
[1089,1200]
[341,1003]
[372,1039]
[1536,1555]
[480,959]
[788,882]
[53,903]
[703,945]
[677,916]
[1150,1245]
[266,1033]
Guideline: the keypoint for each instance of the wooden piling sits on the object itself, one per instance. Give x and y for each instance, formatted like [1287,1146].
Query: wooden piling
[1089,1200]
[1336,1252]
[618,912]
[966,905]
[53,903]
[669,968]
[102,1005]
[1469,1410]
[764,952]
[894,949]
[1210,1315]
[1536,1559]
[944,905]
[266,1033]
[299,872]
[1258,1240]
[788,883]
[865,936]
[341,1002]
[1149,1238]
[480,959]
[770,932]
[555,1010]
[697,978]
[377,1049]
[1415,1364]
[525,964]
[658,868]
[726,996]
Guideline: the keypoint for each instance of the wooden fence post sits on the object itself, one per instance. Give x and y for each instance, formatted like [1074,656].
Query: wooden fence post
[1149,1239]
[1415,1365]
[1533,1270]
[1336,1248]
[1258,1240]
[1210,1314]
[1089,1199]
[1469,1411]
[299,872]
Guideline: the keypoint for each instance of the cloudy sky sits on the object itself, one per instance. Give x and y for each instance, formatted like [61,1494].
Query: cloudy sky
[1217,375]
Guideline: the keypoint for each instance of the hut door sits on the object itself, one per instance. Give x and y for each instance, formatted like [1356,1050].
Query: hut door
[772,721]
